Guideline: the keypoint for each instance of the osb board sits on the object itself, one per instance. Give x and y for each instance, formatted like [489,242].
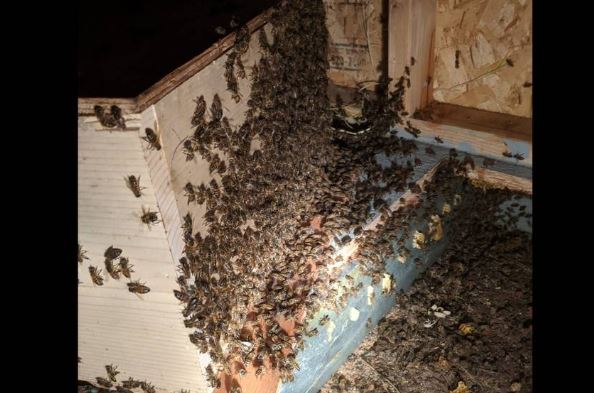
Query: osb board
[486,32]
[144,337]
[354,42]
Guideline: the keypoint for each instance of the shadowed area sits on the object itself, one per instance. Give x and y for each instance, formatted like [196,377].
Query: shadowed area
[124,47]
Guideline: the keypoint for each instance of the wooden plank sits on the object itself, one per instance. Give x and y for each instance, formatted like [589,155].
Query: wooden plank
[86,105]
[497,179]
[501,124]
[487,144]
[145,337]
[411,31]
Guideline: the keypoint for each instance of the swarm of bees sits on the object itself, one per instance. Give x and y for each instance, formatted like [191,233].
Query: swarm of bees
[110,119]
[261,260]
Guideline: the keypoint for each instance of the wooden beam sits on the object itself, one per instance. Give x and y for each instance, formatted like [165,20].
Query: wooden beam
[411,32]
[502,124]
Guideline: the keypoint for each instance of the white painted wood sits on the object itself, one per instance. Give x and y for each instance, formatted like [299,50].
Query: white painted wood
[144,336]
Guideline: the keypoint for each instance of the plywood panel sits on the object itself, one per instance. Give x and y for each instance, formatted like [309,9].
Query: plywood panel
[355,41]
[144,337]
[486,32]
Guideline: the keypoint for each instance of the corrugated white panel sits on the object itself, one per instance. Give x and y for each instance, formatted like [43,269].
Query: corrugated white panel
[144,336]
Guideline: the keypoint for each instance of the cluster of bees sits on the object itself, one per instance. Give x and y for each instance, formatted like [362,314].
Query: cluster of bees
[114,270]
[110,119]
[262,265]
[110,384]
[233,62]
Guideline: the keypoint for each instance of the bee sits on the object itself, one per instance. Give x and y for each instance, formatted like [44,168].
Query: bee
[112,253]
[468,161]
[106,120]
[190,192]
[507,154]
[112,270]
[81,254]
[79,359]
[152,139]
[184,267]
[457,58]
[412,61]
[133,184]
[235,389]
[509,62]
[527,84]
[429,151]
[438,139]
[519,156]
[182,296]
[121,389]
[259,371]
[216,108]
[125,268]
[149,218]
[130,383]
[220,30]
[138,287]
[96,275]
[324,320]
[198,116]
[406,70]
[147,387]
[188,150]
[104,382]
[112,372]
[116,112]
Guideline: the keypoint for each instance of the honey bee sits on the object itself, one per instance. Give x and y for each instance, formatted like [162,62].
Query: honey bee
[259,371]
[188,150]
[130,383]
[112,253]
[216,108]
[412,61]
[112,270]
[198,116]
[457,58]
[324,320]
[116,112]
[429,151]
[112,372]
[147,387]
[121,389]
[138,287]
[81,254]
[104,382]
[438,139]
[507,154]
[527,84]
[152,139]
[125,268]
[509,62]
[96,275]
[133,184]
[519,156]
[184,267]
[149,217]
